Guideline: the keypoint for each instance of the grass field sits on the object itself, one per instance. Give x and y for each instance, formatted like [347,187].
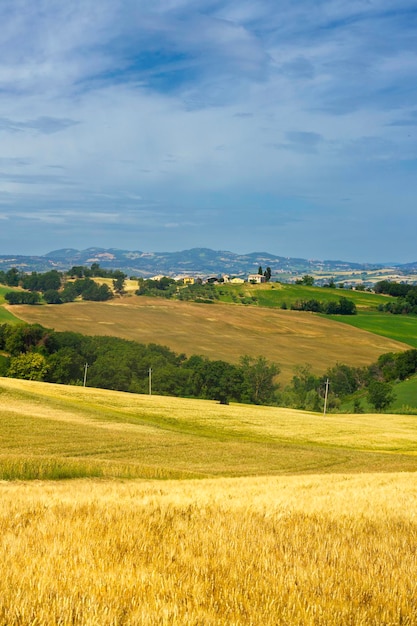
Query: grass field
[406,394]
[405,401]
[219,331]
[275,294]
[96,432]
[6,316]
[295,520]
[398,327]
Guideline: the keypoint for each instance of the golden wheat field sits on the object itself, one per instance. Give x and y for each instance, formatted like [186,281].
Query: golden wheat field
[322,550]
[254,515]
[219,331]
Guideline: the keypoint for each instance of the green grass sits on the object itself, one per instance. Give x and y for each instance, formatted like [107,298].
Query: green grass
[273,295]
[405,398]
[406,394]
[6,316]
[54,431]
[3,291]
[398,327]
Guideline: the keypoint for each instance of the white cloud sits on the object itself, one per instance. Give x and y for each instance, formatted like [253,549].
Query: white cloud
[130,113]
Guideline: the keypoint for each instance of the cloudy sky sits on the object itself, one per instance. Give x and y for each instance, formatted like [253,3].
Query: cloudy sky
[243,125]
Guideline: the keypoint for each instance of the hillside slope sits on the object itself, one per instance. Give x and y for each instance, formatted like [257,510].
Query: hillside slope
[55,431]
[219,331]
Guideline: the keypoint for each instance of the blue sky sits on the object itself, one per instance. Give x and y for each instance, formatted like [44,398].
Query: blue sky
[242,125]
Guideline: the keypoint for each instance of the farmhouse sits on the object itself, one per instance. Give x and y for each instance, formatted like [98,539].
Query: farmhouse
[256,278]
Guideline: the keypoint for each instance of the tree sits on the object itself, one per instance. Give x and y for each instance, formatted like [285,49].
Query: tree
[77,271]
[344,379]
[51,296]
[215,380]
[29,366]
[69,293]
[12,277]
[268,274]
[258,376]
[22,297]
[302,383]
[95,270]
[306,280]
[22,338]
[65,366]
[50,280]
[380,394]
[119,281]
[260,271]
[346,306]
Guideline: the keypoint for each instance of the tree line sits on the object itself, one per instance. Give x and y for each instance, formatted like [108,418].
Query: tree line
[307,390]
[55,287]
[343,306]
[38,353]
[405,302]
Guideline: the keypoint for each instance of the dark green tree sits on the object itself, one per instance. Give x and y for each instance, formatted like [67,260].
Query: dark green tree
[23,337]
[119,279]
[268,274]
[52,296]
[65,366]
[347,307]
[380,395]
[12,277]
[259,379]
[77,271]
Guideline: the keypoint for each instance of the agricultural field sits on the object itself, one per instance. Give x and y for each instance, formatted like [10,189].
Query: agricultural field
[220,331]
[99,432]
[260,516]
[283,551]
[275,294]
[398,327]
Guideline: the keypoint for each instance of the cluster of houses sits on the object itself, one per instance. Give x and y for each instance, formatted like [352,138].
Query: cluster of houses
[234,280]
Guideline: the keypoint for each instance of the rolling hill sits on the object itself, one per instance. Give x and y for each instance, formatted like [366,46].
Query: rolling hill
[56,431]
[219,331]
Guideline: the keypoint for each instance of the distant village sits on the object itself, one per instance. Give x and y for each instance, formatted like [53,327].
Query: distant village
[216,280]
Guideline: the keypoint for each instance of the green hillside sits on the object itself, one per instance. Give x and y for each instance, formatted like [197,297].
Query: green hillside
[398,327]
[275,294]
[406,394]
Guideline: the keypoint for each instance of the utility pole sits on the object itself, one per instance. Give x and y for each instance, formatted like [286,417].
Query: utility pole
[85,374]
[150,381]
[326,393]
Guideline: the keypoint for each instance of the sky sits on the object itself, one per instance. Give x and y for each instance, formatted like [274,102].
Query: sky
[243,125]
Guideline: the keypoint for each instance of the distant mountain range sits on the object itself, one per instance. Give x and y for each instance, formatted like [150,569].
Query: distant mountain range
[197,262]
